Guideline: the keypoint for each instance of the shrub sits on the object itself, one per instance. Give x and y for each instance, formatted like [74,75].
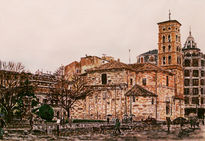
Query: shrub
[46,112]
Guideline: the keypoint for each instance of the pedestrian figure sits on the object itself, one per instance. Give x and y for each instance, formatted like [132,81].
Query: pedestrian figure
[2,124]
[117,126]
[168,124]
[108,120]
[58,127]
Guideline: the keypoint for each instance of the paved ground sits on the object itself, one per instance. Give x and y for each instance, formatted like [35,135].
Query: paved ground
[176,134]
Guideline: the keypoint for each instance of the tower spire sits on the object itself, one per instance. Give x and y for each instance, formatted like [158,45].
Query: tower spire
[190,31]
[169,15]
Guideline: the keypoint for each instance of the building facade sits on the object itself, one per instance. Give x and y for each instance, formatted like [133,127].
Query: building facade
[194,77]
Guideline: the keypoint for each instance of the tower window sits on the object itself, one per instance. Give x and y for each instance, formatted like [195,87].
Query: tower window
[186,73]
[104,78]
[167,81]
[176,37]
[186,100]
[133,98]
[141,60]
[195,82]
[202,73]
[195,73]
[187,63]
[202,63]
[169,47]
[164,48]
[202,100]
[144,81]
[202,90]
[169,59]
[202,82]
[179,60]
[152,101]
[195,100]
[164,60]
[169,38]
[195,63]
[163,39]
[186,91]
[186,82]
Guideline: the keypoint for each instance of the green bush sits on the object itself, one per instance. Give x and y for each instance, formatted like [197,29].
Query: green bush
[86,120]
[46,112]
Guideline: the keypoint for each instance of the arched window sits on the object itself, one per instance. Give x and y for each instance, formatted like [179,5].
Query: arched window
[164,60]
[164,48]
[169,38]
[163,39]
[169,47]
[169,59]
[187,63]
[141,60]
[176,37]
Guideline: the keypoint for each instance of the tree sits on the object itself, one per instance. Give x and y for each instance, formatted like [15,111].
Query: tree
[14,86]
[66,93]
[46,112]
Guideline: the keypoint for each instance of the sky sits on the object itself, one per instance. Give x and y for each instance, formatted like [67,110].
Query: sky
[45,34]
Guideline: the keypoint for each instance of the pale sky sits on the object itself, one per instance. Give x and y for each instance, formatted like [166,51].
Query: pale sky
[43,34]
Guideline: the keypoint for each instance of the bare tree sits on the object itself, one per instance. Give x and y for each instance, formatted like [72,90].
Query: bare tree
[14,85]
[68,92]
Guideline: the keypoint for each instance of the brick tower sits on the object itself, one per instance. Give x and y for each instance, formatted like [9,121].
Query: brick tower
[170,52]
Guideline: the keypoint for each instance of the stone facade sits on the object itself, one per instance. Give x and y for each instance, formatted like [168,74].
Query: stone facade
[110,98]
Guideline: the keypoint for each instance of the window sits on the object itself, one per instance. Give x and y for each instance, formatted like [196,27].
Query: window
[187,63]
[167,107]
[169,59]
[186,82]
[163,39]
[186,100]
[164,29]
[152,101]
[195,91]
[202,73]
[144,81]
[195,82]
[104,78]
[45,101]
[169,38]
[167,81]
[202,63]
[141,60]
[176,37]
[195,100]
[164,48]
[195,73]
[186,73]
[169,47]
[202,82]
[186,91]
[131,81]
[133,98]
[202,100]
[195,63]
[164,61]
[202,90]
[179,60]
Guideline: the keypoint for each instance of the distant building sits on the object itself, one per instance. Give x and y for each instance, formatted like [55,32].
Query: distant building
[85,63]
[148,57]
[194,77]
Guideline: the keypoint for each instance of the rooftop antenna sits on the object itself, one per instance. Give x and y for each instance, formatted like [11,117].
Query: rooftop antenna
[129,57]
[169,15]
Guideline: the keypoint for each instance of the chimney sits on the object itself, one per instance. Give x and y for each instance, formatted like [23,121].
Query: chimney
[118,60]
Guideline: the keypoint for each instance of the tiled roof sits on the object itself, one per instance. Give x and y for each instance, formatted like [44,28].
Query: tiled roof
[112,65]
[169,21]
[155,52]
[137,90]
[147,67]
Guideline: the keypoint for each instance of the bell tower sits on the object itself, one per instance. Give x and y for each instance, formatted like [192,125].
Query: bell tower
[170,52]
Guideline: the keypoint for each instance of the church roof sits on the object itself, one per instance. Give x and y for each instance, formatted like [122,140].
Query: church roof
[138,90]
[169,21]
[148,67]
